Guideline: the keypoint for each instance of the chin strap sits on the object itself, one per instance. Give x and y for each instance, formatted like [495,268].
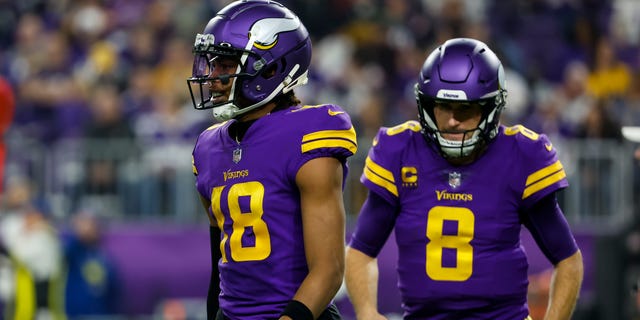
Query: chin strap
[225,112]
[229,110]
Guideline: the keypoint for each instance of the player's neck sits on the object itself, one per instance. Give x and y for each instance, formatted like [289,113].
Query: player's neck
[257,113]
[238,129]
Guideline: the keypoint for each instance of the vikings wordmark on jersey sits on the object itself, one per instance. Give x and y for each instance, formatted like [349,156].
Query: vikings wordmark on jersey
[467,253]
[255,202]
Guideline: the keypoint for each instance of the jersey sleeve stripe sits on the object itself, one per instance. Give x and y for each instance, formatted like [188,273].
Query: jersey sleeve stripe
[541,184]
[330,143]
[376,179]
[216,125]
[330,139]
[193,166]
[380,176]
[349,134]
[534,177]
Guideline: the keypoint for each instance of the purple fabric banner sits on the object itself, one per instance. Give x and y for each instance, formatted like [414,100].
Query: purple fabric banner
[158,262]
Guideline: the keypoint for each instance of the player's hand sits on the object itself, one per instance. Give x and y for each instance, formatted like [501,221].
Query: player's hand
[285,318]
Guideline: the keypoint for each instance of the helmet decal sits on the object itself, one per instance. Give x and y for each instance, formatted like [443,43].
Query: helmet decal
[264,33]
[451,94]
[266,36]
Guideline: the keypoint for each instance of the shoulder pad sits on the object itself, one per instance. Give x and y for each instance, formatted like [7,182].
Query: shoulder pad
[540,164]
[382,163]
[395,138]
[531,144]
[325,127]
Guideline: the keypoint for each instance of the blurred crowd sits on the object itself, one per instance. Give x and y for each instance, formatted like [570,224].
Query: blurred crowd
[115,70]
[93,71]
[47,272]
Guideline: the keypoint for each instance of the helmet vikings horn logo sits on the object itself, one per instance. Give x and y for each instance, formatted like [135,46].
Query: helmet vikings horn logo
[264,33]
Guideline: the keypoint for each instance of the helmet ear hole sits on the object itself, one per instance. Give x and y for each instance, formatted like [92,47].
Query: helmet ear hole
[270,71]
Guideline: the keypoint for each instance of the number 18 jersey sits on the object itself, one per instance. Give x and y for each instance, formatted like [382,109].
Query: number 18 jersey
[256,203]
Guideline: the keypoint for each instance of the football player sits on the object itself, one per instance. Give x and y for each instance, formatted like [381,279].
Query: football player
[270,173]
[456,186]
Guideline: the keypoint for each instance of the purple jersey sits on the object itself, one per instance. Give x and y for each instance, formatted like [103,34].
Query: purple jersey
[256,203]
[458,227]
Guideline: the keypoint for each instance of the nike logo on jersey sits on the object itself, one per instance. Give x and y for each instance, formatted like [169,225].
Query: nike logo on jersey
[549,146]
[334,113]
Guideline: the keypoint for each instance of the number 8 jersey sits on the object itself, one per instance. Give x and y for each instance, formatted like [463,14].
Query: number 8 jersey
[457,228]
[256,203]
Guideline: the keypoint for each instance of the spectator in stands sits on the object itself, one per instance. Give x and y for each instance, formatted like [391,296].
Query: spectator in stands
[572,98]
[546,117]
[628,111]
[610,77]
[636,181]
[599,123]
[33,246]
[7,107]
[92,286]
[109,145]
[165,133]
[52,98]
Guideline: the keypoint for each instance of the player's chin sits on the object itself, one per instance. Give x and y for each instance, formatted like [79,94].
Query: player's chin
[453,136]
[219,98]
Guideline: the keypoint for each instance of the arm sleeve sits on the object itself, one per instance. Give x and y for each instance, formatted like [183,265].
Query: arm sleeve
[375,223]
[214,282]
[550,229]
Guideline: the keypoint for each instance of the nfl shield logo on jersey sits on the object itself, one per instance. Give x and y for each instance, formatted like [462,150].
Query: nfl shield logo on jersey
[454,179]
[237,155]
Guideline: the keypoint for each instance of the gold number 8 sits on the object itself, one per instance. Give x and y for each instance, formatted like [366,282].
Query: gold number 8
[460,242]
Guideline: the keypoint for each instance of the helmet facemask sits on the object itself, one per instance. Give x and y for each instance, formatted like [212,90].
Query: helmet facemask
[272,49]
[205,56]
[467,73]
[474,140]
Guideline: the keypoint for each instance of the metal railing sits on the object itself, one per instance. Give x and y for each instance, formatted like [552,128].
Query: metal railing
[124,180]
[603,177]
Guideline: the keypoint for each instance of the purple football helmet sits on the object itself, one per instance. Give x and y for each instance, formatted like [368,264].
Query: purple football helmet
[465,71]
[270,44]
